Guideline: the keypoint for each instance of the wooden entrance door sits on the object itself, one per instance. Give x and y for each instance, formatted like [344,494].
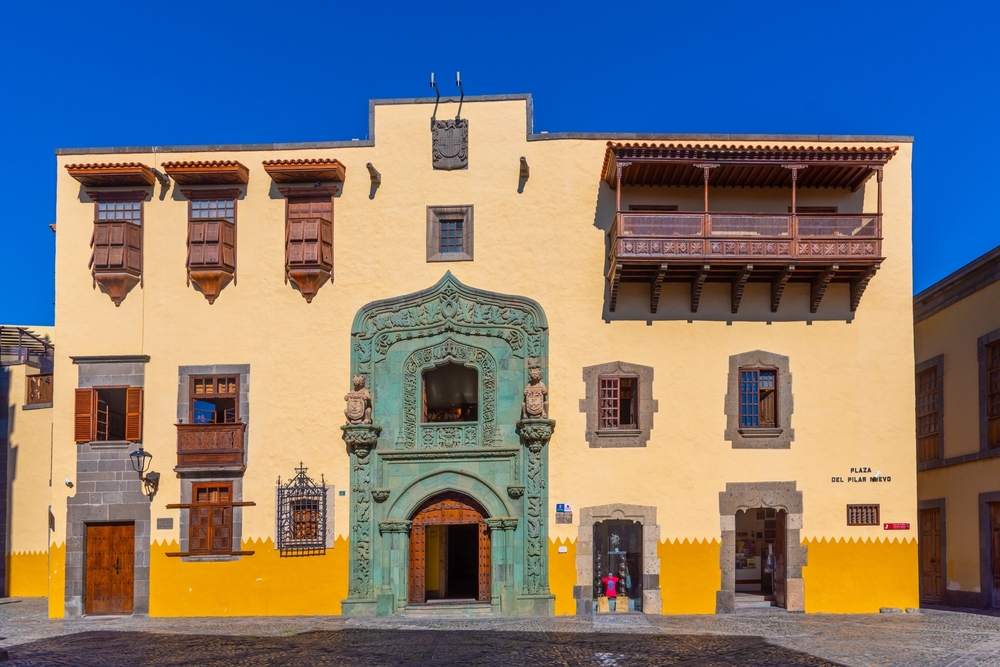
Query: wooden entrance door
[109,578]
[446,509]
[780,562]
[930,554]
[995,550]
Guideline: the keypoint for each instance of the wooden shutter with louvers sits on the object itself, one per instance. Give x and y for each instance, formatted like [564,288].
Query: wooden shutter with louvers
[83,424]
[133,414]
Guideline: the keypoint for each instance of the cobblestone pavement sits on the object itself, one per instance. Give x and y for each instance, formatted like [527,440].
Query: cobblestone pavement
[758,638]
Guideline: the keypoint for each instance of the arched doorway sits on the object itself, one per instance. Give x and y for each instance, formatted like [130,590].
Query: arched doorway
[450,550]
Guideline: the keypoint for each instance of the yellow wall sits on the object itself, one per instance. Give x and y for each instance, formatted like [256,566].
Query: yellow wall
[264,584]
[562,575]
[27,574]
[689,576]
[954,332]
[57,580]
[852,382]
[859,577]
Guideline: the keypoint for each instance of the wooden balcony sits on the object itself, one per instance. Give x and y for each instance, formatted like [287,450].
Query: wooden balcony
[210,446]
[737,248]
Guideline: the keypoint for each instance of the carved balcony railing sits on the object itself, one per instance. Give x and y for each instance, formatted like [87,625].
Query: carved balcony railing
[38,389]
[658,247]
[210,445]
[449,435]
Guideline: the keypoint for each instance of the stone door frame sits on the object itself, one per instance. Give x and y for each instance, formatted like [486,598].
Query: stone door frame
[750,495]
[583,592]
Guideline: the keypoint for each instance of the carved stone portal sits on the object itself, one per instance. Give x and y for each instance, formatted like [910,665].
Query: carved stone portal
[450,141]
[535,406]
[359,403]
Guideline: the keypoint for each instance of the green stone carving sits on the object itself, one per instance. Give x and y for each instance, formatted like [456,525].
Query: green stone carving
[498,460]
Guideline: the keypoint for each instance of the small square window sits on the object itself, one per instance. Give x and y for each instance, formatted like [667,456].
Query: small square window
[449,233]
[862,515]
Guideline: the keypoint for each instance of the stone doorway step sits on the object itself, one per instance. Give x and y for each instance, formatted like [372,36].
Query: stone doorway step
[755,601]
[450,609]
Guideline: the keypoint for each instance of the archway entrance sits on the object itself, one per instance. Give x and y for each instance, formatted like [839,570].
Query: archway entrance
[449,555]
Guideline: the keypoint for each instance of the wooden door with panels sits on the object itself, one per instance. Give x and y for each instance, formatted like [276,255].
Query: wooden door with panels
[447,509]
[929,525]
[109,579]
[995,550]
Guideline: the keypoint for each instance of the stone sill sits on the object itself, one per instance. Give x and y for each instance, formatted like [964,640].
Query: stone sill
[760,432]
[111,444]
[36,406]
[619,437]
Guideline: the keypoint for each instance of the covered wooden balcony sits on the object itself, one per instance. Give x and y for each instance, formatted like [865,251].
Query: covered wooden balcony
[695,247]
[202,446]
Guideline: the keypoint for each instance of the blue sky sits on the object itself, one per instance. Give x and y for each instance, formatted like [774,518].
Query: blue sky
[129,73]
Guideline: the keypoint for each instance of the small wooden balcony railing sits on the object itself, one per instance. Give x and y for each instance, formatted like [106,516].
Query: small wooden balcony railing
[210,445]
[661,246]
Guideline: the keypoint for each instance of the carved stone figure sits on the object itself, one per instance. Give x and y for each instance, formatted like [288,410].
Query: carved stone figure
[535,406]
[359,403]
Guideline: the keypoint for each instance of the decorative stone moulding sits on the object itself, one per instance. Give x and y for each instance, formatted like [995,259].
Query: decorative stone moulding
[361,437]
[380,495]
[536,432]
[209,172]
[315,170]
[450,140]
[515,491]
[112,174]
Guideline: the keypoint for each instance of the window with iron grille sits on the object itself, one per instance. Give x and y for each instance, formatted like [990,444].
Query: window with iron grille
[619,402]
[758,398]
[210,527]
[993,395]
[928,414]
[862,515]
[302,515]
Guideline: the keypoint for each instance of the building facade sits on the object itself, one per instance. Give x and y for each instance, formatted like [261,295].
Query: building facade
[460,362]
[957,346]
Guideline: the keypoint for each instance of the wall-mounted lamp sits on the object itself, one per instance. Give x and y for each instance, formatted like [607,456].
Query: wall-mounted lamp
[140,463]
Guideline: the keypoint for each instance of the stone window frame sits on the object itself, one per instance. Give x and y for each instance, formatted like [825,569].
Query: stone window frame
[938,363]
[750,495]
[435,214]
[981,344]
[583,591]
[780,437]
[591,405]
[188,478]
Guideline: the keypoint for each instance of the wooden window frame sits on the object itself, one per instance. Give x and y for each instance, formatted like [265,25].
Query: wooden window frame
[607,420]
[862,515]
[193,380]
[930,441]
[991,394]
[212,195]
[760,398]
[85,414]
[308,274]
[231,504]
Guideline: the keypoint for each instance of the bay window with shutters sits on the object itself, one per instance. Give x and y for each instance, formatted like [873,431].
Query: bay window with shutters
[308,239]
[213,436]
[116,257]
[211,258]
[108,414]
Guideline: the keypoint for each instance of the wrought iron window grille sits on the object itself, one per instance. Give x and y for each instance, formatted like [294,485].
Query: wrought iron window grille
[301,529]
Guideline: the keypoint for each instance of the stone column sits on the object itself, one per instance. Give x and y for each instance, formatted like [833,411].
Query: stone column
[361,440]
[395,550]
[535,434]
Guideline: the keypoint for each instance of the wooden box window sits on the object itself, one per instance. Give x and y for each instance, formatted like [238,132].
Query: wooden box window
[993,395]
[758,398]
[116,258]
[107,414]
[619,403]
[928,415]
[210,526]
[308,242]
[862,515]
[38,389]
[211,261]
[215,399]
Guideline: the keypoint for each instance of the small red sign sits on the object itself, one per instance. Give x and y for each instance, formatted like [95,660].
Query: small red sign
[896,526]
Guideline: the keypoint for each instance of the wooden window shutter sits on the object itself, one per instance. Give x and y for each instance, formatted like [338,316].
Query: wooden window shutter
[83,424]
[133,414]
